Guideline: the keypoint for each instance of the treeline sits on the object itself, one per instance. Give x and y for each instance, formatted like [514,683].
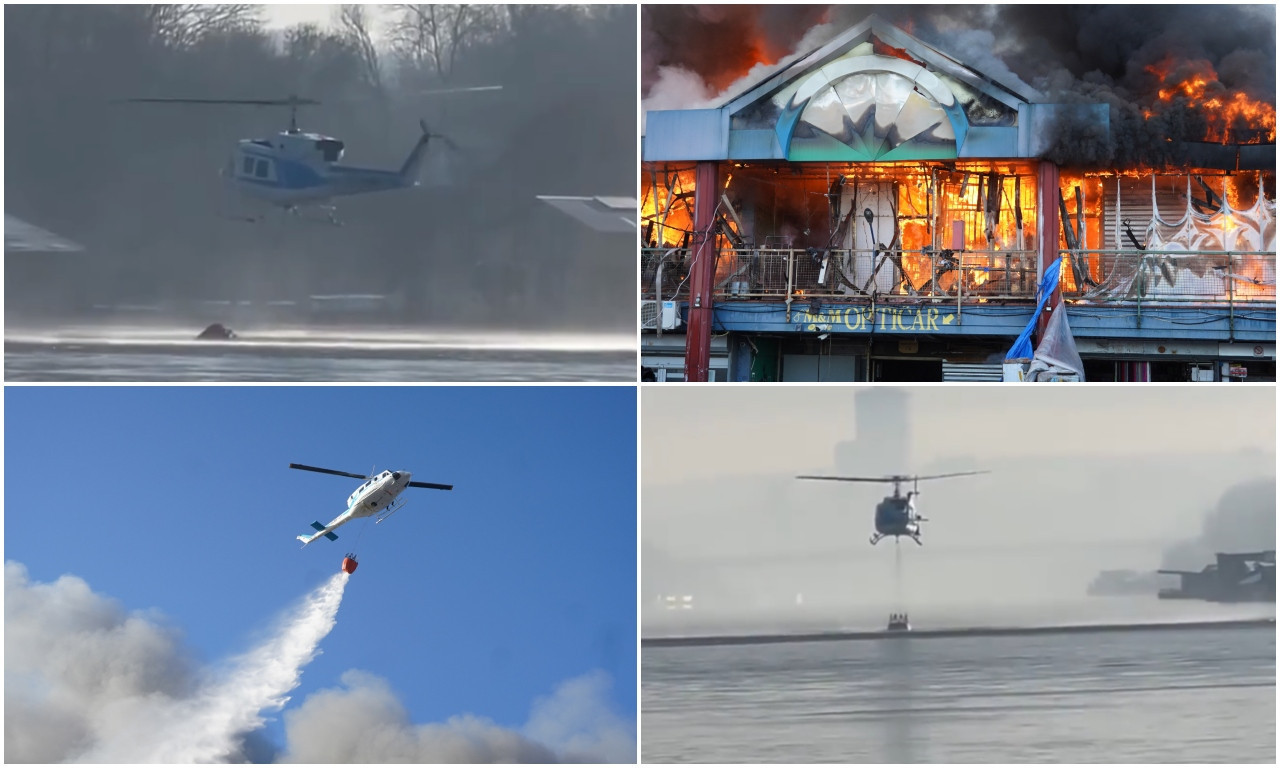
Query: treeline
[138,184]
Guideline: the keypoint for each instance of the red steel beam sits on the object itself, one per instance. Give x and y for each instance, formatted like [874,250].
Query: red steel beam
[702,273]
[1048,230]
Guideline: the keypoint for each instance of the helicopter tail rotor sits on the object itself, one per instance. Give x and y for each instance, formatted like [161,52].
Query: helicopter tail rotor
[427,134]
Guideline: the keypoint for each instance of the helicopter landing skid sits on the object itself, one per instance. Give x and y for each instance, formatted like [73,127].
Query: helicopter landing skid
[876,537]
[395,507]
[245,219]
[330,212]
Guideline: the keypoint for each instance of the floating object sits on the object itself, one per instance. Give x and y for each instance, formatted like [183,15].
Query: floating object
[898,622]
[217,331]
[349,564]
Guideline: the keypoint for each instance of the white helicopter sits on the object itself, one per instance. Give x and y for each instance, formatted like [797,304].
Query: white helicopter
[378,495]
[294,170]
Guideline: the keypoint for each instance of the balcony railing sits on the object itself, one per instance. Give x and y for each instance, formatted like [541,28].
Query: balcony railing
[845,274]
[1197,277]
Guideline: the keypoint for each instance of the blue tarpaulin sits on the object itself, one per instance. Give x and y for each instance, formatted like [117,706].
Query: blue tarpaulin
[1021,349]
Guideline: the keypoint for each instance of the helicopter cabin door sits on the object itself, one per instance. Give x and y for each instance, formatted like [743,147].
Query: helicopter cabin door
[255,168]
[881,199]
[891,514]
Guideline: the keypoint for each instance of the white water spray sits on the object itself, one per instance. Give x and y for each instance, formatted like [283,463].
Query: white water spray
[207,727]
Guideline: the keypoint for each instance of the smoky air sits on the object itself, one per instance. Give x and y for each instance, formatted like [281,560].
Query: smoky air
[1081,483]
[138,184]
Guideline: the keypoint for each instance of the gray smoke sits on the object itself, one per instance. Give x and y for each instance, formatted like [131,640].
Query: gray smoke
[77,665]
[85,680]
[1244,520]
[364,722]
[1071,53]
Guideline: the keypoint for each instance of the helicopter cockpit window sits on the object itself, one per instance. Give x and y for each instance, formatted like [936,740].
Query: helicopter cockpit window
[248,166]
[330,149]
[262,169]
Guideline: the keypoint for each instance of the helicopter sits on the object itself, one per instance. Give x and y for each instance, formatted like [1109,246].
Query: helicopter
[896,515]
[294,170]
[378,495]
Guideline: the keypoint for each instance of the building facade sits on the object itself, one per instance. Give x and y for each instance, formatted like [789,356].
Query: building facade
[879,211]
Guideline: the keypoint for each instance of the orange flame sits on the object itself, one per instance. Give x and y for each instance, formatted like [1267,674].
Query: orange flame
[667,206]
[1226,112]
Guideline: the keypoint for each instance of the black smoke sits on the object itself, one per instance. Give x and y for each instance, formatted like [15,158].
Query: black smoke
[1244,520]
[1109,54]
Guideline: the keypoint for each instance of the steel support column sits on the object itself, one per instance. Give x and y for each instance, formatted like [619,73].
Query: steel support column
[702,273]
[1048,232]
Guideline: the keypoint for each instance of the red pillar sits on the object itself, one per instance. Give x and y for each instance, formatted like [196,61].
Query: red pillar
[1048,231]
[702,273]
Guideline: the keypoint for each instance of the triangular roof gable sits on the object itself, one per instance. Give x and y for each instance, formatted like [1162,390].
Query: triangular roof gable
[873,26]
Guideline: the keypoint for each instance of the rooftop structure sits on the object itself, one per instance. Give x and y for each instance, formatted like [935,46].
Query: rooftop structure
[878,210]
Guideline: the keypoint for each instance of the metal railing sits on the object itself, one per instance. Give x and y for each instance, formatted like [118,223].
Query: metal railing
[1101,276]
[847,274]
[1169,276]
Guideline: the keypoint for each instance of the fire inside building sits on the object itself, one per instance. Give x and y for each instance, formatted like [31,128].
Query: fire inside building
[877,210]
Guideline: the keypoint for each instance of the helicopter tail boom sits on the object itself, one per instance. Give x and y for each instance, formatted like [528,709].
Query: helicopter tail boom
[320,531]
[413,163]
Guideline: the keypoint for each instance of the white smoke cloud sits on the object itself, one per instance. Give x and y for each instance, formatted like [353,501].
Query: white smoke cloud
[208,726]
[77,666]
[577,722]
[678,88]
[364,722]
[87,682]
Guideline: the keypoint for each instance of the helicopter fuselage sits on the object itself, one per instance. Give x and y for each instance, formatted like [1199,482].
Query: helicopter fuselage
[377,492]
[376,495]
[293,169]
[897,516]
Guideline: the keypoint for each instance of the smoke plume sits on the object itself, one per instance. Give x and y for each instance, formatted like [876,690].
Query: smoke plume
[1244,520]
[364,722]
[1119,55]
[86,681]
[208,726]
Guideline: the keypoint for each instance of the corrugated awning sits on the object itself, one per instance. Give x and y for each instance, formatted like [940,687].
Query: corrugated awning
[22,236]
[603,214]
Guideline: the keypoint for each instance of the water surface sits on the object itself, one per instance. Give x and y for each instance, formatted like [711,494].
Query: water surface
[1203,695]
[151,354]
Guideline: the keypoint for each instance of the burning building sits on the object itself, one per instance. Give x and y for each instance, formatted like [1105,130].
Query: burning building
[876,209]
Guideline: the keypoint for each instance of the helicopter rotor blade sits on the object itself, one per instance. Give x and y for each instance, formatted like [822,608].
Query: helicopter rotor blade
[466,89]
[292,101]
[892,479]
[952,474]
[448,142]
[436,486]
[322,470]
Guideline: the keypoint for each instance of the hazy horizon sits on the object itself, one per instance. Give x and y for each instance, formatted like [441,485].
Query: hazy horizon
[1127,478]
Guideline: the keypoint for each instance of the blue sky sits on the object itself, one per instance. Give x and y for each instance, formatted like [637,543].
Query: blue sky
[478,600]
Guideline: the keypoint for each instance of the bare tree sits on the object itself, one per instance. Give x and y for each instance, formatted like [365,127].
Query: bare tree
[182,26]
[433,36]
[355,27]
